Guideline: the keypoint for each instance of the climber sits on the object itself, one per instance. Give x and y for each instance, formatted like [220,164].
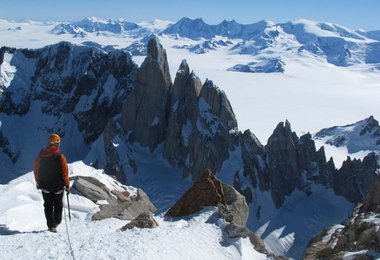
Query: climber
[52,177]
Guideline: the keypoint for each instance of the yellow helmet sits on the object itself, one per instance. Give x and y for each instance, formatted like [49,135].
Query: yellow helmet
[54,139]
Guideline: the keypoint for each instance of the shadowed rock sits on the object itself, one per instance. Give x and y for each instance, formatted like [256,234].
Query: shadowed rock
[372,201]
[359,236]
[206,191]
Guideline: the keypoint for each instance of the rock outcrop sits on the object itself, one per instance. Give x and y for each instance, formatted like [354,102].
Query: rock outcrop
[234,231]
[372,200]
[359,237]
[118,204]
[206,191]
[144,220]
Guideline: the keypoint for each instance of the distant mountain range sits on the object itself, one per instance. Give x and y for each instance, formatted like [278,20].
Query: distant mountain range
[338,45]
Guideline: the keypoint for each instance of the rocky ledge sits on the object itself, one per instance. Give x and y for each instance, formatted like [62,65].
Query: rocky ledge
[359,238]
[113,203]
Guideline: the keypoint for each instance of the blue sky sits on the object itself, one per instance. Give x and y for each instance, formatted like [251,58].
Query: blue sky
[354,14]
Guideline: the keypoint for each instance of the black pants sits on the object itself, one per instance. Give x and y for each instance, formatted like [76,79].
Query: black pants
[53,208]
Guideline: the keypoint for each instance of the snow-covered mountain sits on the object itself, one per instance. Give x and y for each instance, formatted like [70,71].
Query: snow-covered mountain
[99,26]
[360,136]
[375,35]
[334,43]
[261,66]
[340,46]
[197,28]
[205,46]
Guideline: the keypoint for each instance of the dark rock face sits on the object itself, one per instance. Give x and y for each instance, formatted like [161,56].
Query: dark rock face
[355,177]
[5,146]
[215,128]
[147,120]
[65,89]
[289,163]
[372,200]
[359,236]
[183,107]
[293,163]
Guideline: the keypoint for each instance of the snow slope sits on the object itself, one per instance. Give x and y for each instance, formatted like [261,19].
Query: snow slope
[23,232]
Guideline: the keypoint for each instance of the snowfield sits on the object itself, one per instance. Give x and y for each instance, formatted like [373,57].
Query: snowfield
[23,232]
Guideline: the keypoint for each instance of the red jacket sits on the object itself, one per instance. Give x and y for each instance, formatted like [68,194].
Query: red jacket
[49,151]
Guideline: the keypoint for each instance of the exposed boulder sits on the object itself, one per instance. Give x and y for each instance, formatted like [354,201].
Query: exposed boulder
[235,209]
[144,220]
[124,207]
[207,190]
[91,188]
[119,203]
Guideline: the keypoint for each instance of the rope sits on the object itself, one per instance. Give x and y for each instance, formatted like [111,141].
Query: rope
[68,235]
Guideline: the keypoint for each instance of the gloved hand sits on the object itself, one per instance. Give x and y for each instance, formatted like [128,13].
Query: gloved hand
[67,189]
[37,185]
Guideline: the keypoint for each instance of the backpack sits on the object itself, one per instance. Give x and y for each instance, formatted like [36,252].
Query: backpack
[50,173]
